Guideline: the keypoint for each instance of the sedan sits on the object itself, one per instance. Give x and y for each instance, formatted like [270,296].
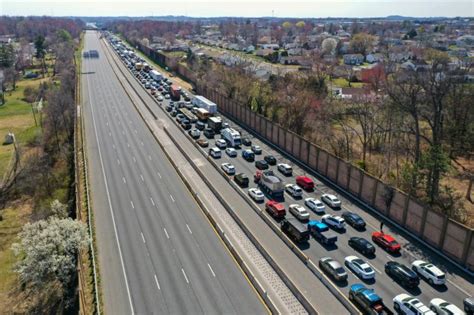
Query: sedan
[231,152]
[159,98]
[433,274]
[354,220]
[362,245]
[271,160]
[194,133]
[315,205]
[247,142]
[294,190]
[167,96]
[203,143]
[228,168]
[299,212]
[331,200]
[256,149]
[261,165]
[221,143]
[333,268]
[334,221]
[441,307]
[256,194]
[362,269]
[402,274]
[386,241]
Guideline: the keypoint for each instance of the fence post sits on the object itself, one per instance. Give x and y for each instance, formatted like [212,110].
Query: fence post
[467,247]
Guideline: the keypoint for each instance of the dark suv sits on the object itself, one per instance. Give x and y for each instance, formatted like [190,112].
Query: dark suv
[362,245]
[354,220]
[241,179]
[402,274]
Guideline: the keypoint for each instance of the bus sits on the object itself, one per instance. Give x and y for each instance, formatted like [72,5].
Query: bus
[201,113]
[189,116]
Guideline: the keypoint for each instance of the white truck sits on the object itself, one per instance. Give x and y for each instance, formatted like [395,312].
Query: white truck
[232,137]
[202,102]
[155,75]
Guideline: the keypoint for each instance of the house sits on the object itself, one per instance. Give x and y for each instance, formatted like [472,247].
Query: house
[270,46]
[400,57]
[263,52]
[6,39]
[373,58]
[465,41]
[368,75]
[295,51]
[353,93]
[353,59]
[250,49]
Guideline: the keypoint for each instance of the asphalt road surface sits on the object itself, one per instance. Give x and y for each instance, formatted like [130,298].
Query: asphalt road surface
[458,286]
[157,252]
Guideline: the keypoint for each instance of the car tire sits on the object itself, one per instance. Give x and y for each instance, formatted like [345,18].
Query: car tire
[351,297]
[433,309]
[396,307]
[430,281]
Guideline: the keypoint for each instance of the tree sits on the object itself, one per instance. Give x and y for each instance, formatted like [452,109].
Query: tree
[300,24]
[361,43]
[48,251]
[287,25]
[411,34]
[328,46]
[40,47]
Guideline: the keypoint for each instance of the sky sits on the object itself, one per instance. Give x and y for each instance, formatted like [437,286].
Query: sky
[244,8]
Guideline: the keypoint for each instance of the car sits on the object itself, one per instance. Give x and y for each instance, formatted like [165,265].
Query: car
[333,268]
[247,142]
[294,190]
[361,268]
[276,209]
[225,125]
[305,182]
[354,220]
[270,159]
[441,307]
[248,155]
[362,245]
[285,169]
[200,125]
[406,304]
[299,212]
[367,300]
[242,180]
[256,149]
[256,194]
[174,113]
[469,305]
[169,108]
[221,143]
[334,221]
[402,274]
[160,98]
[228,168]
[430,272]
[180,117]
[167,96]
[215,152]
[209,133]
[203,143]
[331,200]
[261,165]
[231,152]
[194,133]
[386,241]
[186,124]
[315,204]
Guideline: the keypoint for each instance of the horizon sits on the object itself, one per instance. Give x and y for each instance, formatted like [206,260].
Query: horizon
[304,9]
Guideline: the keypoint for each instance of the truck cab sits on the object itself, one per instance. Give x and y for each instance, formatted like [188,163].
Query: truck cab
[276,209]
[296,230]
[321,232]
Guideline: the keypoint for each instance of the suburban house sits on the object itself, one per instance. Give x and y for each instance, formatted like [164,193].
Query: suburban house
[353,59]
[270,46]
[373,58]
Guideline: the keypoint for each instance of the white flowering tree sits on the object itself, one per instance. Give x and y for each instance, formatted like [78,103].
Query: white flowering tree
[328,46]
[48,251]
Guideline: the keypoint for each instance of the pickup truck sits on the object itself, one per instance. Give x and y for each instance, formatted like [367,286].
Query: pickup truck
[296,230]
[367,300]
[321,232]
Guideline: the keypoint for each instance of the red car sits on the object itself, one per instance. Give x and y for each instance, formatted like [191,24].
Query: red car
[305,182]
[386,241]
[276,210]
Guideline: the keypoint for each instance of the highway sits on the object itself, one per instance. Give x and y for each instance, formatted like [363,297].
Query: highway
[459,284]
[157,252]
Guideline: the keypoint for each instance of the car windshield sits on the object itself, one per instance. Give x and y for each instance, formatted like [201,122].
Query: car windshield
[367,269]
[393,243]
[340,270]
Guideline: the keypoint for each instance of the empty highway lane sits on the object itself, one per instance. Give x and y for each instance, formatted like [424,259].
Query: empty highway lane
[157,252]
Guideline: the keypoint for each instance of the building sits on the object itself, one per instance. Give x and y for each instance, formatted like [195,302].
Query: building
[353,59]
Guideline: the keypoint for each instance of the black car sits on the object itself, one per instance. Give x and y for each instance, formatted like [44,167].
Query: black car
[261,164]
[174,113]
[169,108]
[362,245]
[200,125]
[186,124]
[402,274]
[241,179]
[271,160]
[209,133]
[247,142]
[354,220]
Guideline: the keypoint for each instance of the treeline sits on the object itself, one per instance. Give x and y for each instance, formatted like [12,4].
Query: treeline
[29,28]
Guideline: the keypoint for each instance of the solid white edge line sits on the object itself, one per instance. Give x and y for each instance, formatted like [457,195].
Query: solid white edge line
[184,274]
[109,200]
[157,283]
[189,229]
[212,271]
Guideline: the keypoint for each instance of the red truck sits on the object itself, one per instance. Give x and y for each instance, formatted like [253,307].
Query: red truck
[276,209]
[175,92]
[305,182]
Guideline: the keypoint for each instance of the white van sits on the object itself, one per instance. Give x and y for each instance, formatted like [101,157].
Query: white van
[215,152]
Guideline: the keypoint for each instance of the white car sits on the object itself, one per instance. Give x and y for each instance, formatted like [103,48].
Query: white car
[334,221]
[167,96]
[299,212]
[285,169]
[441,307]
[256,149]
[294,190]
[231,152]
[221,144]
[315,204]
[228,168]
[359,267]
[429,271]
[160,98]
[408,305]
[331,200]
[256,194]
